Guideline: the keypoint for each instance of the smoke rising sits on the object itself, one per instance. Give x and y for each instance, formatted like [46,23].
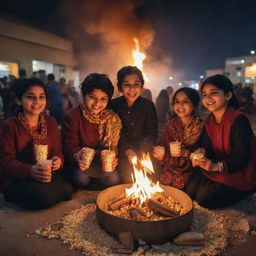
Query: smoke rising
[103,32]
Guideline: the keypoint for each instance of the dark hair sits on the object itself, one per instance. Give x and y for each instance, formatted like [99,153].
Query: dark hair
[20,86]
[128,70]
[169,90]
[163,94]
[224,84]
[50,77]
[97,81]
[191,93]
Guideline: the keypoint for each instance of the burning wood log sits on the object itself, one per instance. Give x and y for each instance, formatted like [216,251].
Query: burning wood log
[135,202]
[122,196]
[161,208]
[163,198]
[120,202]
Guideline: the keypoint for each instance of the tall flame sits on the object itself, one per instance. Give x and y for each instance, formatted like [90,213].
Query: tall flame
[143,188]
[139,57]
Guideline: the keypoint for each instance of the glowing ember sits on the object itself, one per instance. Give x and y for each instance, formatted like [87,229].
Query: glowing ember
[139,57]
[143,188]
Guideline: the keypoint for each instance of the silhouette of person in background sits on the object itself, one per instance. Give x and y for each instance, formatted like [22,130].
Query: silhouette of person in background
[162,109]
[146,93]
[170,91]
[55,104]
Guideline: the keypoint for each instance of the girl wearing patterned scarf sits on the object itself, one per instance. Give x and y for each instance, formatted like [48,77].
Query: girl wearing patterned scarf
[185,128]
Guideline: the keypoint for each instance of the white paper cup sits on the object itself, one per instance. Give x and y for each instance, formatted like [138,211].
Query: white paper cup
[48,165]
[87,155]
[107,158]
[175,148]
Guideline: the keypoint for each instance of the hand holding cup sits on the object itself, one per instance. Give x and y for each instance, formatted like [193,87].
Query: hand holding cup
[159,152]
[195,156]
[42,171]
[56,163]
[84,158]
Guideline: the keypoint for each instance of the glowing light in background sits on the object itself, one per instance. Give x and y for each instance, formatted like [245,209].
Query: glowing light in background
[139,57]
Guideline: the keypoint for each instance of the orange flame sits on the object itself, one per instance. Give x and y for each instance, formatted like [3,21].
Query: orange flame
[143,188]
[139,57]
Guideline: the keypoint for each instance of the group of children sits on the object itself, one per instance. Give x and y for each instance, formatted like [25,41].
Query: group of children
[127,125]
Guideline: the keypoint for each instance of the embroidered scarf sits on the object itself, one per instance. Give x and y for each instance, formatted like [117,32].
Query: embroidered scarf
[176,171]
[109,126]
[41,125]
[187,134]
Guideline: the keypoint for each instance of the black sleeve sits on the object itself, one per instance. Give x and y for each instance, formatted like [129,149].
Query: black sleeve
[124,143]
[150,129]
[240,143]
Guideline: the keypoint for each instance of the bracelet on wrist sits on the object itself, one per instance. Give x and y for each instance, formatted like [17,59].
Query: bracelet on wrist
[220,167]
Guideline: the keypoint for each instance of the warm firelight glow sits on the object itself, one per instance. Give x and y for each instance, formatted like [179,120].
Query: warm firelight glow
[143,188]
[138,57]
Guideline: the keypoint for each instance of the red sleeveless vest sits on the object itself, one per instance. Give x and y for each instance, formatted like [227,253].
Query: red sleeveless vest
[219,134]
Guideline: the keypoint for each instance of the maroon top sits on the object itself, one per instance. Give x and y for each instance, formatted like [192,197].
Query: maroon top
[220,136]
[176,171]
[77,133]
[16,151]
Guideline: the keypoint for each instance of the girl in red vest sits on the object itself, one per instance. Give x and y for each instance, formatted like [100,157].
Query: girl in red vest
[27,178]
[230,174]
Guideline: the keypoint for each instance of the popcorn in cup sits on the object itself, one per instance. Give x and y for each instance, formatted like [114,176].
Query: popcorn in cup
[195,156]
[107,158]
[48,165]
[175,148]
[41,152]
[87,155]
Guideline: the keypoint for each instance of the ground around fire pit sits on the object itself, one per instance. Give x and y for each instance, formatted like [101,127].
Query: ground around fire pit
[80,230]
[17,228]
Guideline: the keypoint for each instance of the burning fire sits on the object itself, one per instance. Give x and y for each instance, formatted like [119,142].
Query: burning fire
[139,57]
[143,188]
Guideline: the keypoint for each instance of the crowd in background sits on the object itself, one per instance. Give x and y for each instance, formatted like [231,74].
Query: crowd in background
[62,95]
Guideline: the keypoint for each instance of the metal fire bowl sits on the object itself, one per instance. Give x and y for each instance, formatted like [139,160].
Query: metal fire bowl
[149,231]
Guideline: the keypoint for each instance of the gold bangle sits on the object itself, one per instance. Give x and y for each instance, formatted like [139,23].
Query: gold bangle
[220,167]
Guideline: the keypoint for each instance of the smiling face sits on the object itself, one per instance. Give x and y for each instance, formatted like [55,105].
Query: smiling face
[131,88]
[214,99]
[33,101]
[183,106]
[96,101]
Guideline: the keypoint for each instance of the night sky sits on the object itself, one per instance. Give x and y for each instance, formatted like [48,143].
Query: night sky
[195,35]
